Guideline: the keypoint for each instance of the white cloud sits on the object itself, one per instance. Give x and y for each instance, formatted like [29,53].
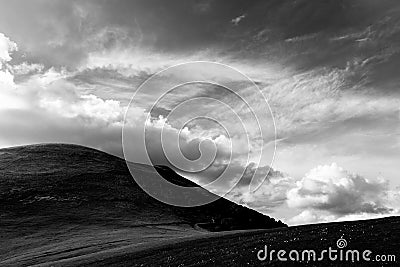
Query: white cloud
[7,97]
[269,196]
[329,193]
[6,48]
[26,68]
[306,102]
[236,20]
[85,106]
[312,216]
[6,79]
[46,107]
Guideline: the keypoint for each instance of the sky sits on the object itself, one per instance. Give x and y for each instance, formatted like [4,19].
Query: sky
[327,68]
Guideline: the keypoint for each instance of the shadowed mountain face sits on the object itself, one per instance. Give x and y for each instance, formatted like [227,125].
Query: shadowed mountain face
[74,183]
[54,193]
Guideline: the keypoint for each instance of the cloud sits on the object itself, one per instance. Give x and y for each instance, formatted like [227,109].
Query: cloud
[25,126]
[45,107]
[7,98]
[6,79]
[271,194]
[6,48]
[26,68]
[316,100]
[312,216]
[326,193]
[329,191]
[83,106]
[236,20]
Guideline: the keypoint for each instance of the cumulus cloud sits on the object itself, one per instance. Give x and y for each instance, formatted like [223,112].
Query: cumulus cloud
[7,98]
[26,68]
[46,107]
[6,79]
[236,20]
[330,192]
[272,191]
[325,194]
[6,48]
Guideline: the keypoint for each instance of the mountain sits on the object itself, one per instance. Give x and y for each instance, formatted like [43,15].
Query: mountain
[61,201]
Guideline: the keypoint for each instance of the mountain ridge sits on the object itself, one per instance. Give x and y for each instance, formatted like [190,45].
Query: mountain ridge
[38,176]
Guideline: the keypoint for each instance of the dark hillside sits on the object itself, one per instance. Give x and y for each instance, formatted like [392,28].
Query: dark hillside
[56,192]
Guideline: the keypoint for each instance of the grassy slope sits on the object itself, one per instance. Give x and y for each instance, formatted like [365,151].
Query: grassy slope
[63,201]
[381,236]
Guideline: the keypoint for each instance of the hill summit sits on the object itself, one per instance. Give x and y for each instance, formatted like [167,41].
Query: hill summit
[59,183]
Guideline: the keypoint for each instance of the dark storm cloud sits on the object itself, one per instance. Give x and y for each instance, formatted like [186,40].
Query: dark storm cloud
[304,33]
[358,39]
[63,32]
[179,24]
[360,36]
[47,31]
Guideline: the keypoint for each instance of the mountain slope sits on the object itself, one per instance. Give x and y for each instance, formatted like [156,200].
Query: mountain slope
[380,236]
[77,197]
